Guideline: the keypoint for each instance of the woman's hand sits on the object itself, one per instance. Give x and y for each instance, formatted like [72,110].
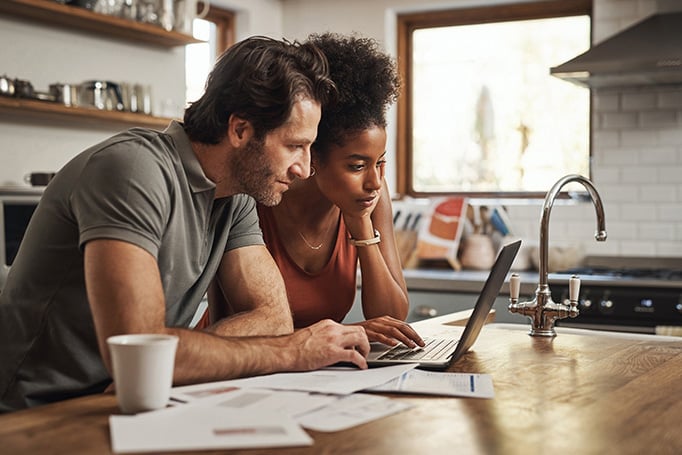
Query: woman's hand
[391,331]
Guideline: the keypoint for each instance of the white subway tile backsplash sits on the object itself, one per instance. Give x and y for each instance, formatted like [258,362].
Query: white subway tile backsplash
[606,102]
[603,176]
[607,27]
[616,157]
[602,139]
[669,212]
[670,136]
[639,174]
[668,99]
[669,249]
[647,7]
[608,248]
[662,118]
[639,248]
[632,138]
[616,9]
[620,230]
[617,120]
[612,210]
[656,231]
[638,101]
[639,212]
[617,193]
[659,155]
[670,174]
[657,193]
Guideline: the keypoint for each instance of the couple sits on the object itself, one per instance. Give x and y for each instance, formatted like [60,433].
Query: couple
[132,233]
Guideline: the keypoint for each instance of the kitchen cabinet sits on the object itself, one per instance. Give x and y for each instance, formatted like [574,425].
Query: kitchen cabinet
[75,18]
[427,304]
[437,292]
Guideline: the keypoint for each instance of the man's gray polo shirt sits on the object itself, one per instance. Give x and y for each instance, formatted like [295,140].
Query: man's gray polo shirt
[140,186]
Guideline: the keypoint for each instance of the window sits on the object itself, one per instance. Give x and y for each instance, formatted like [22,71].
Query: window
[217,32]
[480,112]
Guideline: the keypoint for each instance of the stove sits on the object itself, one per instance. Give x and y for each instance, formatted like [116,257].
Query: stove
[625,299]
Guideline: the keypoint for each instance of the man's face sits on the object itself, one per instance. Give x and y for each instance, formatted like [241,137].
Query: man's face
[266,167]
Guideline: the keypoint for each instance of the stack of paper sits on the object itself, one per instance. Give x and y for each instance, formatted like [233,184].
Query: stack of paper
[269,411]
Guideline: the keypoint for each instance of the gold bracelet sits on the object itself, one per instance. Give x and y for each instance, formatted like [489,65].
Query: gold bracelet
[368,242]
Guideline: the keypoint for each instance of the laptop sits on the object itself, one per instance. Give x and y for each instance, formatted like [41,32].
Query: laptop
[439,353]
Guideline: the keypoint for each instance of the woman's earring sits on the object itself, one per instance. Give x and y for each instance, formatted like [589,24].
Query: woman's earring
[312,171]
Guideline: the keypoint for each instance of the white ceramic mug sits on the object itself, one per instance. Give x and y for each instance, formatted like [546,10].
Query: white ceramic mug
[143,370]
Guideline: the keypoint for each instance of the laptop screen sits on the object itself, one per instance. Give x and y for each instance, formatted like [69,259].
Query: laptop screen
[490,291]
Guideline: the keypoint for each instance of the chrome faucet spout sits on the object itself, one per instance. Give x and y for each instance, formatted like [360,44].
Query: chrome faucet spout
[552,194]
[542,311]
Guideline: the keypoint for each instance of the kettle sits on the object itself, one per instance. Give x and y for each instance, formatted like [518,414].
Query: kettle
[104,95]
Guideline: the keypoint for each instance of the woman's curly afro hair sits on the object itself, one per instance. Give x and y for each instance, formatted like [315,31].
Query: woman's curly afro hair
[367,82]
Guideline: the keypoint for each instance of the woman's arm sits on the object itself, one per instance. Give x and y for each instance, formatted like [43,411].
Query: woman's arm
[385,301]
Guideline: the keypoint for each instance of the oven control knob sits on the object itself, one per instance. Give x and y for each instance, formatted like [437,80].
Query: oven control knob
[678,307]
[606,306]
[586,303]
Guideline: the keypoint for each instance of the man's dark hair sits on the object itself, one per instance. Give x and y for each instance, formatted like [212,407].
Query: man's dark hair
[367,83]
[258,79]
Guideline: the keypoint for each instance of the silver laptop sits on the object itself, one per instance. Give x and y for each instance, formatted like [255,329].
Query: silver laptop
[439,353]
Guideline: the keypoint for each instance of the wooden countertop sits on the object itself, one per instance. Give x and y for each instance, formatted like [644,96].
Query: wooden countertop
[578,393]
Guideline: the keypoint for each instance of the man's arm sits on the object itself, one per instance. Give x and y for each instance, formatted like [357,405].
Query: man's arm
[250,290]
[125,295]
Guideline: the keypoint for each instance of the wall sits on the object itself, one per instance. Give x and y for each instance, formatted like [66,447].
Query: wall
[637,139]
[45,55]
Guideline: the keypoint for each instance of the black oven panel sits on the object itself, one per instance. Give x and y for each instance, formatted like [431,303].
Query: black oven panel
[623,306]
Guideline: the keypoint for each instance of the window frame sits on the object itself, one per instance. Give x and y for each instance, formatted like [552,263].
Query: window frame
[224,21]
[407,23]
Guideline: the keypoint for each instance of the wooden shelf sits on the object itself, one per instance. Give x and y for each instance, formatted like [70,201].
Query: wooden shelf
[46,110]
[72,17]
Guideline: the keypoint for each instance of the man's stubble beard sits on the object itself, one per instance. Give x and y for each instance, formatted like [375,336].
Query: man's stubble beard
[252,170]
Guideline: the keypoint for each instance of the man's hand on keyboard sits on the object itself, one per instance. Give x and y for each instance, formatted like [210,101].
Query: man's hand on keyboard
[391,331]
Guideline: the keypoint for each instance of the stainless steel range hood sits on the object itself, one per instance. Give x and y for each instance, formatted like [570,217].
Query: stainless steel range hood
[649,52]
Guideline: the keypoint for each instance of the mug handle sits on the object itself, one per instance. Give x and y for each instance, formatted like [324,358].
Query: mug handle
[204,11]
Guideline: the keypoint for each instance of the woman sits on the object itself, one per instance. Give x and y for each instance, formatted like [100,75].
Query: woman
[313,233]
[341,214]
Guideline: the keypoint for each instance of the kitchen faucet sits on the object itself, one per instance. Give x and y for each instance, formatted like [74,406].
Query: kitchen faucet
[542,311]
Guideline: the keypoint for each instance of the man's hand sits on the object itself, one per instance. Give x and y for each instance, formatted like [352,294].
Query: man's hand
[326,343]
[391,331]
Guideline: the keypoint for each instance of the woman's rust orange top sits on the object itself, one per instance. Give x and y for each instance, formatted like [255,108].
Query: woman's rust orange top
[327,294]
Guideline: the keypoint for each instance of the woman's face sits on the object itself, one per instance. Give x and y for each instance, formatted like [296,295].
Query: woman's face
[352,175]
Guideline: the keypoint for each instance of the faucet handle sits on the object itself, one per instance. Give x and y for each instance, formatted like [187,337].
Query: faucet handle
[573,290]
[514,287]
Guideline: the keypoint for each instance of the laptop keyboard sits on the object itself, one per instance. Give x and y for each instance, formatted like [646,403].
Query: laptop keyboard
[435,348]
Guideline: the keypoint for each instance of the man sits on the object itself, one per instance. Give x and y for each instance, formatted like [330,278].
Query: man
[130,232]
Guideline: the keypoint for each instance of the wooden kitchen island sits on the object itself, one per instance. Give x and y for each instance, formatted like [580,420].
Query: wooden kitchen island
[579,393]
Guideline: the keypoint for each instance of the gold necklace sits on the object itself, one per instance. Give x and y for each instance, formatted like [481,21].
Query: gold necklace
[312,247]
[308,244]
